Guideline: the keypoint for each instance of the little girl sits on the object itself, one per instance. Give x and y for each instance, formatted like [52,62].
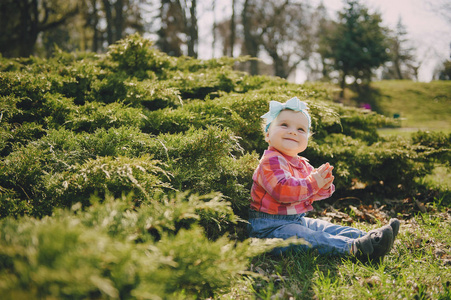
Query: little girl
[285,186]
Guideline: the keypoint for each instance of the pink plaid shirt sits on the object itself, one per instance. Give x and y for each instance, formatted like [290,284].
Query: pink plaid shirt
[283,185]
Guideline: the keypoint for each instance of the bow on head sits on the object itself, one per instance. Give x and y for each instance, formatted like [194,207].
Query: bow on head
[275,107]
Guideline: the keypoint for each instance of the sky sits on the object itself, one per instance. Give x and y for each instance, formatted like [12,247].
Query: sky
[428,32]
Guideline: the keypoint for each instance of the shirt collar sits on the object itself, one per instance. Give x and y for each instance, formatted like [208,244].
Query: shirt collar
[296,161]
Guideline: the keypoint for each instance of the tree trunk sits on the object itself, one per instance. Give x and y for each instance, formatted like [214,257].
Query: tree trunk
[29,28]
[232,29]
[119,20]
[279,65]
[109,21]
[193,34]
[398,68]
[213,43]
[343,85]
[249,41]
[22,22]
[95,23]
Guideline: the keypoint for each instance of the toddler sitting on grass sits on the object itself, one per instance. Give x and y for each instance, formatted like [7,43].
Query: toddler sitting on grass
[285,186]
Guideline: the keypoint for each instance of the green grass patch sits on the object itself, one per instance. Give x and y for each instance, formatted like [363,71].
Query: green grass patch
[440,178]
[420,105]
[418,267]
[404,132]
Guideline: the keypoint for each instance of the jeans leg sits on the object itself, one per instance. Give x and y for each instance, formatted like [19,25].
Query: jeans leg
[324,236]
[333,229]
[324,242]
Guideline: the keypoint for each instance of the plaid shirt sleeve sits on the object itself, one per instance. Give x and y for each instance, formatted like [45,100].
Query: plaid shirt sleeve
[280,188]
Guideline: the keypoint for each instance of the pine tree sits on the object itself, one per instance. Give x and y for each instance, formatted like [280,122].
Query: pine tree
[356,45]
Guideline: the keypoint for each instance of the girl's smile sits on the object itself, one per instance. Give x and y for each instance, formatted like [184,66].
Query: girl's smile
[288,133]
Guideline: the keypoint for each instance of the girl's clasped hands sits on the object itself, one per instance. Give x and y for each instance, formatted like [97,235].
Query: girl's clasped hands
[323,176]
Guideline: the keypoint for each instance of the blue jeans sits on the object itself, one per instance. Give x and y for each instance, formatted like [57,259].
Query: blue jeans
[324,236]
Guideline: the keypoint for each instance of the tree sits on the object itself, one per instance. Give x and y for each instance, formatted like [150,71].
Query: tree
[21,21]
[225,32]
[35,26]
[317,66]
[402,59]
[92,21]
[78,34]
[169,40]
[232,28]
[229,32]
[444,73]
[282,28]
[357,45]
[289,37]
[121,15]
[178,20]
[252,38]
[189,14]
[442,8]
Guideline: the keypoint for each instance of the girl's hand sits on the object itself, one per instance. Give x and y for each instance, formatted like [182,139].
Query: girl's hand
[329,175]
[328,185]
[323,176]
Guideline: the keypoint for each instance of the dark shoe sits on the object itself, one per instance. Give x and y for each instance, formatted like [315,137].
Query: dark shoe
[394,224]
[375,244]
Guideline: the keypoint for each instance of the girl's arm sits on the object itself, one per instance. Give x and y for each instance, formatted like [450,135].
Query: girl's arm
[324,193]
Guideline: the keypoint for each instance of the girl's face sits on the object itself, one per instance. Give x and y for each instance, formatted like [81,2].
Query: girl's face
[288,133]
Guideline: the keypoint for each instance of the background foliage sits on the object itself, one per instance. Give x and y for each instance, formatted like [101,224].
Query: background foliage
[128,174]
[288,35]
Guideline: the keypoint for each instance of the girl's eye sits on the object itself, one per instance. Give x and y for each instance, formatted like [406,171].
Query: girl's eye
[301,130]
[284,125]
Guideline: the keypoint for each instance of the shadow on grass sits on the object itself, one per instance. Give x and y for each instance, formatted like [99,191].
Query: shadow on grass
[369,95]
[292,274]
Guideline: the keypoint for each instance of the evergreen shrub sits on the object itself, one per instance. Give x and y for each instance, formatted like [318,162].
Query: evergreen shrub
[151,94]
[118,175]
[136,57]
[75,80]
[13,136]
[207,82]
[240,113]
[96,115]
[195,158]
[26,91]
[110,88]
[437,145]
[110,251]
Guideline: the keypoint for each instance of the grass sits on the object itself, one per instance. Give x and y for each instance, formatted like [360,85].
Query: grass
[414,268]
[439,179]
[418,267]
[421,106]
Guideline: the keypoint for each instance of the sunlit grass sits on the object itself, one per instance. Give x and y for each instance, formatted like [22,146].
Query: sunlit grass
[421,106]
[440,178]
[407,132]
[418,267]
